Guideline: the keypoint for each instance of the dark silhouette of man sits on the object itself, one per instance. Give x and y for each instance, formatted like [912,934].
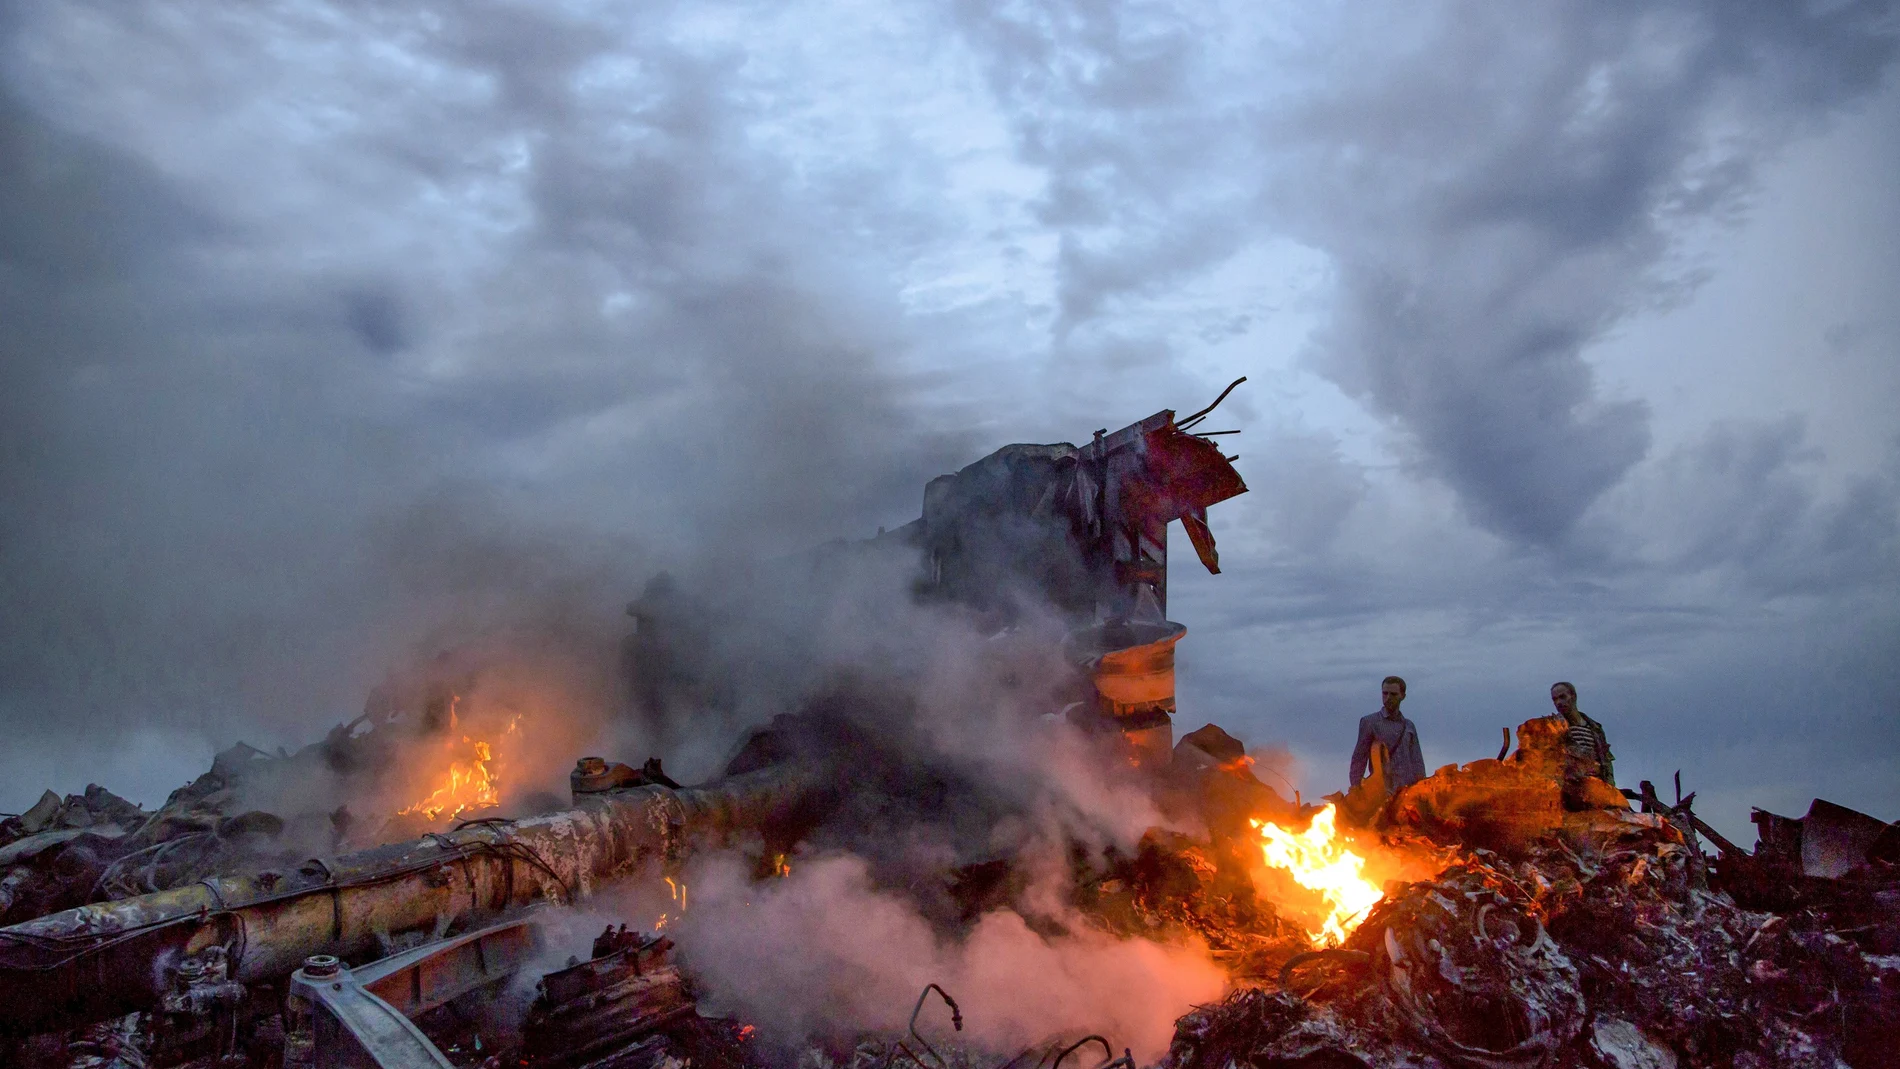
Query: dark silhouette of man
[1584,738]
[1404,762]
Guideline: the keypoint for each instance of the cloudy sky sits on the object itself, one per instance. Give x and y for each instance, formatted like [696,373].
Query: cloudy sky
[1569,328]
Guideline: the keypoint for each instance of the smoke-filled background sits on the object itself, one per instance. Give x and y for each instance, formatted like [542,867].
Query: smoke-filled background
[333,335]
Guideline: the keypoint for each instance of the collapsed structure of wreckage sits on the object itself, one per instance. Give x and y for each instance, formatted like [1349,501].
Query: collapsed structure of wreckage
[1532,923]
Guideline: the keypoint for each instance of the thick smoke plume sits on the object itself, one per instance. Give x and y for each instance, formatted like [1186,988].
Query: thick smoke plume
[952,757]
[825,950]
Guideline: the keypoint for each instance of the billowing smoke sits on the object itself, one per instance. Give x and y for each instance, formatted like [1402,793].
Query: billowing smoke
[943,723]
[825,950]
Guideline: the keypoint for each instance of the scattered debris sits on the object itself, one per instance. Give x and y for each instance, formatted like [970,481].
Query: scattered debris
[1589,940]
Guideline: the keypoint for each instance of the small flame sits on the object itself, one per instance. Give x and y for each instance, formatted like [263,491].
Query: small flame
[1317,860]
[678,890]
[470,783]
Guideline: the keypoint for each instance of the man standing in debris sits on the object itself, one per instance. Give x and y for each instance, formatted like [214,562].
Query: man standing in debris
[1404,763]
[1584,740]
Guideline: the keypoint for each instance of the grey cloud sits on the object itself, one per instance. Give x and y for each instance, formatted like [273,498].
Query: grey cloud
[1866,336]
[1114,104]
[253,458]
[1509,184]
[379,319]
[154,565]
[1301,493]
[1496,189]
[1744,498]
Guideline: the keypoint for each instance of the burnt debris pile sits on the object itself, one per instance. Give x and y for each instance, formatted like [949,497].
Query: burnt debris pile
[1599,937]
[251,807]
[1563,958]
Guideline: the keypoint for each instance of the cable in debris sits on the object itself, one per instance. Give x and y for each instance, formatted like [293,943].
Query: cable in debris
[956,1019]
[1202,414]
[1126,1061]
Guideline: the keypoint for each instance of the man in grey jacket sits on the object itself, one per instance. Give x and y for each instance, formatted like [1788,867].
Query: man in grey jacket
[1405,763]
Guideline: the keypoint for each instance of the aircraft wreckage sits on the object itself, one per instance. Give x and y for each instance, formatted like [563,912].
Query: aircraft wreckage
[1486,916]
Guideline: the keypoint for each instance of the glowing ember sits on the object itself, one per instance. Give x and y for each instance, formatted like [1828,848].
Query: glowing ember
[470,784]
[678,888]
[1317,860]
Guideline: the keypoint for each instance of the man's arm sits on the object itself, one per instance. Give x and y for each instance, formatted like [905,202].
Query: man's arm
[1413,753]
[1360,750]
[1606,761]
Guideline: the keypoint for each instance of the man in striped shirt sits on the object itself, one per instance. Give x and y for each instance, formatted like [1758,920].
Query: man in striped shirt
[1584,739]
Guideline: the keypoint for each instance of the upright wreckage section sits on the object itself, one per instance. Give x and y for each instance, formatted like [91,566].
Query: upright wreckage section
[1085,530]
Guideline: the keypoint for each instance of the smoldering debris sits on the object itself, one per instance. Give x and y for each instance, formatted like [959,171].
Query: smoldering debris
[959,834]
[250,808]
[1610,957]
[1594,936]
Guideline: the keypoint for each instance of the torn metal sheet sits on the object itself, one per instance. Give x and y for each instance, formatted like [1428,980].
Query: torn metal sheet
[1835,839]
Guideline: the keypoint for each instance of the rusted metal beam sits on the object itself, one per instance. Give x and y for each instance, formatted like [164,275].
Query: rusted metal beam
[349,1027]
[1646,793]
[111,958]
[435,974]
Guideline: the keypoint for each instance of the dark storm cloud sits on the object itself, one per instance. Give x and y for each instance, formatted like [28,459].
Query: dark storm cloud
[1117,106]
[184,463]
[1746,500]
[745,346]
[1496,187]
[253,457]
[1487,228]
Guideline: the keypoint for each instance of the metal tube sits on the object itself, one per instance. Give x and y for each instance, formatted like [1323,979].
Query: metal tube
[111,958]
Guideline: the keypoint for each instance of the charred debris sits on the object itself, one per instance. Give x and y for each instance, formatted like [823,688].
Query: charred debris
[1527,917]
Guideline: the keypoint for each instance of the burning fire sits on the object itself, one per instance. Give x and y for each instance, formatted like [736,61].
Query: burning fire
[1317,860]
[470,783]
[678,889]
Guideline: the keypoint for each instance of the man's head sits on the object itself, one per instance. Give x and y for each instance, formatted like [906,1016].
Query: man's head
[1393,691]
[1564,697]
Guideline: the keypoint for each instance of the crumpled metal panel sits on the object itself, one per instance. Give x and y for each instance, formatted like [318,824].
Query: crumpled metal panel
[1621,1045]
[1835,839]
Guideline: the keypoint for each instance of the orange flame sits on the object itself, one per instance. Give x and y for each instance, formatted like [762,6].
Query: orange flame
[1317,860]
[469,785]
[678,888]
